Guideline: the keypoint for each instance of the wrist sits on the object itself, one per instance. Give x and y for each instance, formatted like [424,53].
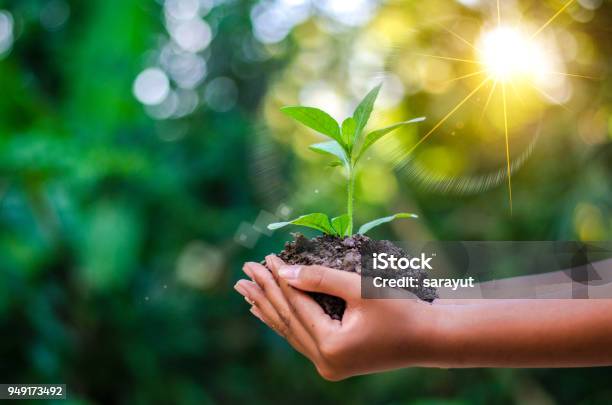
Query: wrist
[440,332]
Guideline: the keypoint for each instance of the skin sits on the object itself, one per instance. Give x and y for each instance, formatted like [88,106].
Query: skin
[377,335]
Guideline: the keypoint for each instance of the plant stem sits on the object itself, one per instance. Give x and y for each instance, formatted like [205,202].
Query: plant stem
[350,198]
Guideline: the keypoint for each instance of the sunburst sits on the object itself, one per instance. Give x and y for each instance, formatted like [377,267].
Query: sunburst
[505,54]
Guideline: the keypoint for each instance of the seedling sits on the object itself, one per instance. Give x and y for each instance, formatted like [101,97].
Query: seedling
[347,147]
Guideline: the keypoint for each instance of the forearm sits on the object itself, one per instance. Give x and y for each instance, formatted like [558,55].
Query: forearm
[522,333]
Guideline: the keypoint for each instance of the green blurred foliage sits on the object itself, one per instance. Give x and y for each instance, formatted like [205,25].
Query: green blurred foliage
[120,233]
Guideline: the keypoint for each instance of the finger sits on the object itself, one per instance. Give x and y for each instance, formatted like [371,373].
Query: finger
[246,269]
[257,313]
[273,263]
[272,291]
[322,279]
[254,296]
[266,281]
[311,315]
[263,310]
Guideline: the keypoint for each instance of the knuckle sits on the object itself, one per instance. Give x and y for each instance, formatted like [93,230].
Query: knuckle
[285,319]
[317,276]
[259,280]
[293,304]
[283,330]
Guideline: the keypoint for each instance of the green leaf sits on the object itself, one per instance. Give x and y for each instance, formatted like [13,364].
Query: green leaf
[374,136]
[348,131]
[363,111]
[372,224]
[316,119]
[332,148]
[341,224]
[316,221]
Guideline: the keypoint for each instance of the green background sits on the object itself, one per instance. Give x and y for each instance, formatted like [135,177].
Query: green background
[123,232]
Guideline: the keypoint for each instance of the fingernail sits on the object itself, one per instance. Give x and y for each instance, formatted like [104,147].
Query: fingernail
[238,287]
[248,300]
[247,270]
[289,272]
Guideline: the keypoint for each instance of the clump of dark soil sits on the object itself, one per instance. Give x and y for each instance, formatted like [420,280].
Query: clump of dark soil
[346,254]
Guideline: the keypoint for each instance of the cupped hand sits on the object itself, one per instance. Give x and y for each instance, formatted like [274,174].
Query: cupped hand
[373,335]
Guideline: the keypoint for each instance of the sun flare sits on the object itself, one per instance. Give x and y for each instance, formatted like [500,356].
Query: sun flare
[507,54]
[508,57]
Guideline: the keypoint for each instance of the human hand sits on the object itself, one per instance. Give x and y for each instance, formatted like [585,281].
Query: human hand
[376,335]
[373,335]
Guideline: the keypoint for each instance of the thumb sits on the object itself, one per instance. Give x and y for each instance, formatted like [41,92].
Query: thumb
[322,279]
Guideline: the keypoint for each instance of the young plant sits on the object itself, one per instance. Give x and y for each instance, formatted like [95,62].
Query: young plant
[346,147]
